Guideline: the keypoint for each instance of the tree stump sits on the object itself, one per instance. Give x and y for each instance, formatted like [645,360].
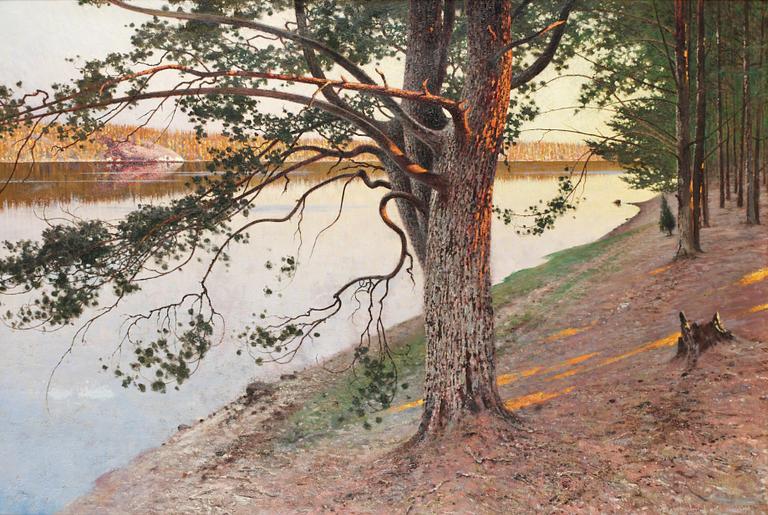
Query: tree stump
[695,339]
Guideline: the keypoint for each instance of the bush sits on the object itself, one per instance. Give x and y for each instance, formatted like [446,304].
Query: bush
[666,219]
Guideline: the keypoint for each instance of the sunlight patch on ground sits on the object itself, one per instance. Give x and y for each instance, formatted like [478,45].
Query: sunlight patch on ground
[667,341]
[534,398]
[570,331]
[511,377]
[406,406]
[660,270]
[514,376]
[538,397]
[754,277]
[569,373]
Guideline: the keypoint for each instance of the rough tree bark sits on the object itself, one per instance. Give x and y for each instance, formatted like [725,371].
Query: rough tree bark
[685,211]
[750,173]
[721,143]
[430,26]
[460,373]
[700,133]
[705,199]
[753,175]
[745,122]
[735,143]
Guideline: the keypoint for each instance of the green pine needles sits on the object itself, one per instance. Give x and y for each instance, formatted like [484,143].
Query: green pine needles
[666,218]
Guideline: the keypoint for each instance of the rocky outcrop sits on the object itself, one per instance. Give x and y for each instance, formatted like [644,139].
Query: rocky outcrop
[130,152]
[122,171]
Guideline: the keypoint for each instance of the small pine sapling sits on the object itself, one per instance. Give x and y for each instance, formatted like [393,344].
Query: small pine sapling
[666,219]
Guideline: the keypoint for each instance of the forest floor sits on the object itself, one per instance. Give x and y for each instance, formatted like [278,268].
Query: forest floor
[608,420]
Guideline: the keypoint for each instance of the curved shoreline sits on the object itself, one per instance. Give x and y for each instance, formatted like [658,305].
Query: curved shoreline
[205,434]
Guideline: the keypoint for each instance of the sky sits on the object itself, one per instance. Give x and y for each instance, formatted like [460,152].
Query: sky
[40,34]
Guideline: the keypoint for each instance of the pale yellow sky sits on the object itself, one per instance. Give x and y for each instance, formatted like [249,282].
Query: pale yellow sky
[40,34]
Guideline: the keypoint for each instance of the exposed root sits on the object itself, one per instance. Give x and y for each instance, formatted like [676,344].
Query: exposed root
[490,425]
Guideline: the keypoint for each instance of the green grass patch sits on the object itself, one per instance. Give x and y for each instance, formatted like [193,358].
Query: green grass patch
[557,266]
[333,408]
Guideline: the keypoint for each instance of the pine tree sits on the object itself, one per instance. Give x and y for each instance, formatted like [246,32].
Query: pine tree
[666,218]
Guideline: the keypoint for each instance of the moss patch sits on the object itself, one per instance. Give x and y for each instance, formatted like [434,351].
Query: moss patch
[557,266]
[334,408]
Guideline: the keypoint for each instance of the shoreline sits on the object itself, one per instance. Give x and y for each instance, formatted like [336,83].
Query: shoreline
[305,383]
[585,355]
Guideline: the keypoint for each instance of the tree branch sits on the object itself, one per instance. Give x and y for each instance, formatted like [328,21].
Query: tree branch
[335,56]
[393,151]
[307,42]
[541,63]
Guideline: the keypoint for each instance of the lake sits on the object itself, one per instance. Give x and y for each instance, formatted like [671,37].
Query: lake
[52,453]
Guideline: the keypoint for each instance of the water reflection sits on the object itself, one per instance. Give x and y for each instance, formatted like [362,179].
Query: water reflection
[94,425]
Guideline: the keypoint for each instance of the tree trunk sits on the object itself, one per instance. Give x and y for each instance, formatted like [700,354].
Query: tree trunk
[721,143]
[735,146]
[753,185]
[701,120]
[705,199]
[753,202]
[685,208]
[750,173]
[743,163]
[430,25]
[728,160]
[460,372]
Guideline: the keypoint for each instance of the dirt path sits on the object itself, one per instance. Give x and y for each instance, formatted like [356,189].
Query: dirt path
[608,421]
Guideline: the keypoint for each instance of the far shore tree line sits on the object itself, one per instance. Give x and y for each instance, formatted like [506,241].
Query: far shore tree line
[685,83]
[48,149]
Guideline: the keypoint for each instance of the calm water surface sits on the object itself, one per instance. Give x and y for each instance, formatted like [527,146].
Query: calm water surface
[91,424]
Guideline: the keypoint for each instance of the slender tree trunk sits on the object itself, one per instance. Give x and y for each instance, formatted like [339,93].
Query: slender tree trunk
[743,164]
[728,160]
[753,184]
[705,199]
[430,25]
[735,145]
[750,174]
[701,120]
[460,374]
[685,207]
[721,143]
[765,164]
[761,100]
